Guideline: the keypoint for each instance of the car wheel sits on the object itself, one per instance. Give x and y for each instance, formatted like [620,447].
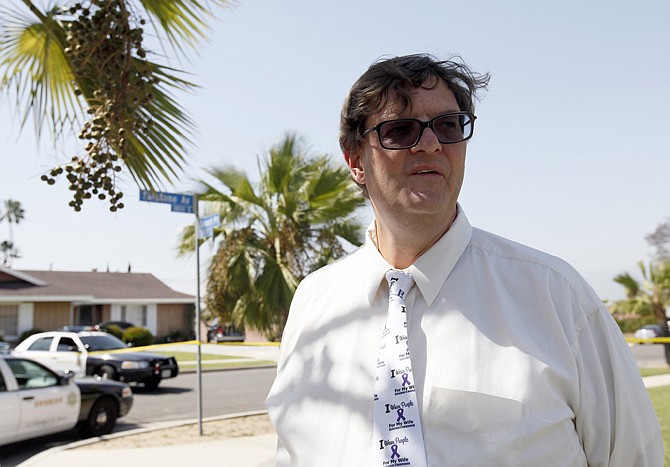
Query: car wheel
[152,383]
[106,372]
[101,419]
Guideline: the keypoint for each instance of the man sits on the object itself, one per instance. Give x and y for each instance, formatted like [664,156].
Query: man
[514,359]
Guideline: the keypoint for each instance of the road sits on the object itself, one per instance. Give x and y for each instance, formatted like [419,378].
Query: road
[649,355]
[224,392]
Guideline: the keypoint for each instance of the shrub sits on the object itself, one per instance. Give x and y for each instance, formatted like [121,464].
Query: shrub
[113,329]
[28,333]
[137,336]
[177,335]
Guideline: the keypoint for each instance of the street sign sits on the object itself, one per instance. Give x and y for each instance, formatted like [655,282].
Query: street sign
[208,224]
[179,202]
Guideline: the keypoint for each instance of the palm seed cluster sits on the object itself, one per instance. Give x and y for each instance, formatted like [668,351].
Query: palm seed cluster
[104,46]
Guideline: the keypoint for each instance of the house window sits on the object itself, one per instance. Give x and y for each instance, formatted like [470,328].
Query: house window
[85,317]
[9,320]
[136,314]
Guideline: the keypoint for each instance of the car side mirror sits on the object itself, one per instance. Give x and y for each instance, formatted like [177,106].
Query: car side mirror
[65,378]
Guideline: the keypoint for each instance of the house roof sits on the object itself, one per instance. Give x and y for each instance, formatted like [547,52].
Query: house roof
[88,287]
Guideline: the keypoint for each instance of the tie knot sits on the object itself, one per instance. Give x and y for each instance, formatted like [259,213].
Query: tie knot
[399,282]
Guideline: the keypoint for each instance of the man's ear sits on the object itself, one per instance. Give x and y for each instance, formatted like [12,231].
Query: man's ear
[353,160]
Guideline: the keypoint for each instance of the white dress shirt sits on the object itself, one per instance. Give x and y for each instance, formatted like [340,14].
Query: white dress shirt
[516,362]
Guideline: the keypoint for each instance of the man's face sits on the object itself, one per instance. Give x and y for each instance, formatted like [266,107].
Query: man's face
[425,179]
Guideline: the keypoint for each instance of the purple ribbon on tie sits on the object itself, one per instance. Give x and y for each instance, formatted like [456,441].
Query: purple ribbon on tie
[401,415]
[394,451]
[405,379]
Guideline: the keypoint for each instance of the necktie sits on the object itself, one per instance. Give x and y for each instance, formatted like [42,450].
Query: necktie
[397,428]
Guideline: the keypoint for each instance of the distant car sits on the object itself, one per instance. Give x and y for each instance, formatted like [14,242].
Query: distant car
[218,333]
[4,347]
[88,353]
[649,331]
[36,401]
[123,325]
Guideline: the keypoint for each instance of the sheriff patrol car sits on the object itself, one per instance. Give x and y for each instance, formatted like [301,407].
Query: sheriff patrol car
[35,401]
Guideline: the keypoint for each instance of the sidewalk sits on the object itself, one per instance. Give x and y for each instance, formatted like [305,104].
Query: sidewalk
[251,451]
[656,381]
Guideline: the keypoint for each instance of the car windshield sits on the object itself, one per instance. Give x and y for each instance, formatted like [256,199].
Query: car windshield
[93,343]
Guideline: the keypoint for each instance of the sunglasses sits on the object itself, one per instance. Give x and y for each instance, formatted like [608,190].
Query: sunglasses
[405,133]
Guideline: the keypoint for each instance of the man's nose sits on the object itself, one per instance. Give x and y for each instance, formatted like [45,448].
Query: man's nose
[428,141]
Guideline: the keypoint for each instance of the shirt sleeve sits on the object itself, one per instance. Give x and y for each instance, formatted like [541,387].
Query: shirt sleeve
[283,459]
[615,420]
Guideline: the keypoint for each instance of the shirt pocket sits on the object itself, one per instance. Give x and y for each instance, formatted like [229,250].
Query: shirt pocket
[473,429]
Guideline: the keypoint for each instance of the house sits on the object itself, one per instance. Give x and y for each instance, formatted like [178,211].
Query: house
[48,300]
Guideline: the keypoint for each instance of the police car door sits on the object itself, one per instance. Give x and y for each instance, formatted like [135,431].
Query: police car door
[70,355]
[46,405]
[9,407]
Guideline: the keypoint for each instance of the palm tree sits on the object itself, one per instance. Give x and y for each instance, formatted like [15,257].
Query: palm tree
[653,294]
[13,213]
[274,234]
[9,252]
[83,68]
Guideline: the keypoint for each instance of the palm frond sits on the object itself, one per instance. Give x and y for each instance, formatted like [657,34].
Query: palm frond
[35,69]
[237,182]
[182,21]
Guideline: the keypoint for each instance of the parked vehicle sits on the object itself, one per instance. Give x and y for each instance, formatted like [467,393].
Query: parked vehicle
[649,331]
[123,325]
[217,332]
[97,353]
[36,401]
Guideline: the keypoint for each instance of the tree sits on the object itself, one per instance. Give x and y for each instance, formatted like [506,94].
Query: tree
[274,234]
[660,240]
[653,294]
[83,68]
[13,213]
[9,252]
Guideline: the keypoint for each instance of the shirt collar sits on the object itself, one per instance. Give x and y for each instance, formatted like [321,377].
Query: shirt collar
[432,268]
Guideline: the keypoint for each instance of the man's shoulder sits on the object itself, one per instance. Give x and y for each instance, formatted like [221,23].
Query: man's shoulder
[505,248]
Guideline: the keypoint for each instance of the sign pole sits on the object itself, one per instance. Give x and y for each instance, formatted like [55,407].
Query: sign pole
[181,202]
[198,313]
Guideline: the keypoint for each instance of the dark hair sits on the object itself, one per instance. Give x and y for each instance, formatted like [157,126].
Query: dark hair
[390,78]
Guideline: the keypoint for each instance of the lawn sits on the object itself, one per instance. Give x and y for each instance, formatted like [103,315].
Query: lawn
[209,361]
[660,397]
[654,371]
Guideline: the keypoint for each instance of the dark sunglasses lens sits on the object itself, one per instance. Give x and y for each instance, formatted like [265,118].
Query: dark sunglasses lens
[453,128]
[399,133]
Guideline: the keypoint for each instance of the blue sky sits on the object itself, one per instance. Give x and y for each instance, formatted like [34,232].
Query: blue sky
[570,153]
